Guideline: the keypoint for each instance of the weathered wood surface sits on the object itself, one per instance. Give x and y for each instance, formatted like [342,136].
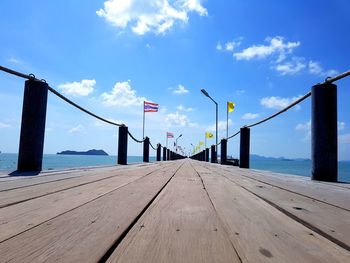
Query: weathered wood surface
[181,211]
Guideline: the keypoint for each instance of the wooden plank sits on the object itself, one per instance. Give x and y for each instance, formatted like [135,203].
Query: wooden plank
[17,195]
[13,182]
[86,233]
[329,221]
[18,218]
[261,233]
[327,193]
[180,226]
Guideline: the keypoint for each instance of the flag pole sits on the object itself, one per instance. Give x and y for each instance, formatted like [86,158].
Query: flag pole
[143,130]
[167,140]
[205,139]
[226,120]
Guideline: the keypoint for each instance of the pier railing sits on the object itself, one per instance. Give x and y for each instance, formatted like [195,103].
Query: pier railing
[324,133]
[32,134]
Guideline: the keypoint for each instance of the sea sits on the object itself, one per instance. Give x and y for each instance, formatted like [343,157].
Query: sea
[8,163]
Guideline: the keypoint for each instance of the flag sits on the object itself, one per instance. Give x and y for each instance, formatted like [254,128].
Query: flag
[201,144]
[209,135]
[150,107]
[170,135]
[230,106]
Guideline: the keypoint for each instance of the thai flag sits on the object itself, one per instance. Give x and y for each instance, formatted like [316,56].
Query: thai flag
[169,135]
[150,107]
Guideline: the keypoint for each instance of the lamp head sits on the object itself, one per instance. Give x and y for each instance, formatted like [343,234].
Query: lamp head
[180,135]
[205,92]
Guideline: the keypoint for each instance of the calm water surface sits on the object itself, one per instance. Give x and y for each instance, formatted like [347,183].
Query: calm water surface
[8,162]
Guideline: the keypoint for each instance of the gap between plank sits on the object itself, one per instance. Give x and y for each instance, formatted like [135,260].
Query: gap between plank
[212,204]
[121,186]
[292,216]
[127,230]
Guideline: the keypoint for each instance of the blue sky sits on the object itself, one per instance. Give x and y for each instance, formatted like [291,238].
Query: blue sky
[109,56]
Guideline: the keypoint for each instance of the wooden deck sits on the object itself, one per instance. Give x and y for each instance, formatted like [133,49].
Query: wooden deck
[179,211]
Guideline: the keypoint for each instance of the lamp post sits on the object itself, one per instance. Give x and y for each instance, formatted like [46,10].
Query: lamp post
[176,141]
[216,104]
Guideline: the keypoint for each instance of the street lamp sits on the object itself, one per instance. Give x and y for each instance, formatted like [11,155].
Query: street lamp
[176,141]
[216,104]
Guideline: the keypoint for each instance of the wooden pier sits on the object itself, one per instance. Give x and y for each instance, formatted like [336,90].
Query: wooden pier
[177,211]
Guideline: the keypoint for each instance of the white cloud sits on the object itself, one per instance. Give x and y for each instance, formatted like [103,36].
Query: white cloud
[276,46]
[182,108]
[341,125]
[278,102]
[122,95]
[291,67]
[240,92]
[83,88]
[143,16]
[104,124]
[316,69]
[77,129]
[14,60]
[218,46]
[221,126]
[178,119]
[4,125]
[250,116]
[345,138]
[306,127]
[181,90]
[230,46]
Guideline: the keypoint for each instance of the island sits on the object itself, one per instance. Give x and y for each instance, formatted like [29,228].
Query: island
[89,152]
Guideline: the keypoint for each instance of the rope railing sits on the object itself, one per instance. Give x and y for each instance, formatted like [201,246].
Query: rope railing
[81,108]
[233,135]
[136,140]
[328,80]
[324,143]
[281,111]
[32,77]
[152,146]
[338,77]
[34,115]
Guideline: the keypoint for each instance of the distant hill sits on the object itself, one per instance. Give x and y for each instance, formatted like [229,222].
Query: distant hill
[259,157]
[89,152]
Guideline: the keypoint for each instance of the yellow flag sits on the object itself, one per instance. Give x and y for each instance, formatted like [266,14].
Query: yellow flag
[209,135]
[230,106]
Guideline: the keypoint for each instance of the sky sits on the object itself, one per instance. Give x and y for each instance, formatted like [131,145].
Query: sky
[110,56]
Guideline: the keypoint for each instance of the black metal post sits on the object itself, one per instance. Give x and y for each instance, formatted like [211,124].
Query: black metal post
[146,150]
[31,145]
[207,154]
[164,153]
[213,154]
[324,145]
[244,151]
[159,150]
[168,154]
[223,151]
[123,145]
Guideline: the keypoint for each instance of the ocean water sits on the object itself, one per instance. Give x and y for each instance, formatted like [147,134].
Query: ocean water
[302,168]
[8,163]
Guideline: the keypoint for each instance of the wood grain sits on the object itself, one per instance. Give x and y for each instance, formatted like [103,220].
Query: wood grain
[86,233]
[261,233]
[180,226]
